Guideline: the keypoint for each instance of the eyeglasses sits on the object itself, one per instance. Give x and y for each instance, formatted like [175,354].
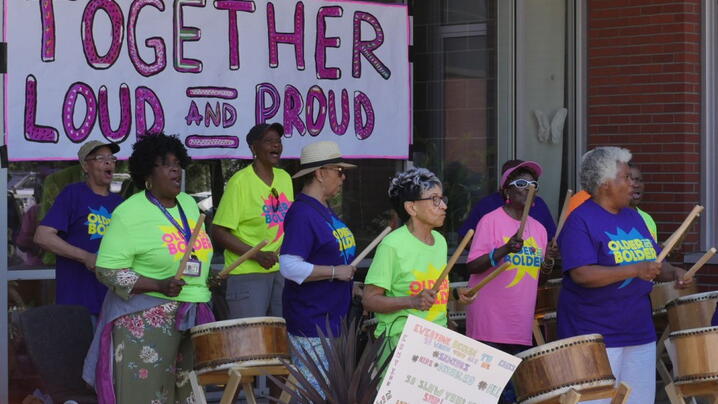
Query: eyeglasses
[521,183]
[101,158]
[340,170]
[275,200]
[436,199]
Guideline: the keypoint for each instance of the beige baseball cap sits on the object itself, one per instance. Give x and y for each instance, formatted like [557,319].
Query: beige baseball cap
[93,145]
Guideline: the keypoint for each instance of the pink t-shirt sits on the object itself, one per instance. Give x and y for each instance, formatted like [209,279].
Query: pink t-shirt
[503,311]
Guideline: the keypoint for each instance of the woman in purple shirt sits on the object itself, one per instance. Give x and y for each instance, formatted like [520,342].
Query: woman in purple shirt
[609,261]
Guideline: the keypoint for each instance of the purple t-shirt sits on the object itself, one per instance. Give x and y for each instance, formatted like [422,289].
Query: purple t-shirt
[80,217]
[313,232]
[621,312]
[714,321]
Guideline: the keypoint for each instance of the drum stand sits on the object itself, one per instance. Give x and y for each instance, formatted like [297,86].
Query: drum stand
[618,395]
[678,393]
[232,380]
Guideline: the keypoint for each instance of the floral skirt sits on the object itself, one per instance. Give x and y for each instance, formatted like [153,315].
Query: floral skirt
[152,358]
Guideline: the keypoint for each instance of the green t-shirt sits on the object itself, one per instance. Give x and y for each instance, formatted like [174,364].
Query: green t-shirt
[404,266]
[649,223]
[142,238]
[255,212]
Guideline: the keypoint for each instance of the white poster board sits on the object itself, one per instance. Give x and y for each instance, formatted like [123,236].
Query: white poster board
[433,364]
[208,71]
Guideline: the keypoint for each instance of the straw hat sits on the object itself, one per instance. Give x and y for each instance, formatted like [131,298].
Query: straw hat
[318,154]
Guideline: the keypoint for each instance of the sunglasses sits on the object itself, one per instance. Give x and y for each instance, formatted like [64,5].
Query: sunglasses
[436,199]
[521,183]
[275,200]
[340,170]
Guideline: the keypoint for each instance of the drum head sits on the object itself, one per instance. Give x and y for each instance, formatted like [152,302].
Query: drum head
[693,331]
[551,346]
[237,322]
[697,297]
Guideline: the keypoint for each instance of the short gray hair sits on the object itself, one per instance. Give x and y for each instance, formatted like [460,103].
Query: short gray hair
[601,165]
[408,186]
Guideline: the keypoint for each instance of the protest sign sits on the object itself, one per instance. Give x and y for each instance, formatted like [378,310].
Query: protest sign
[433,364]
[208,71]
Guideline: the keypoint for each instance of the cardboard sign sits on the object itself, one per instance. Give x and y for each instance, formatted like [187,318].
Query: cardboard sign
[208,71]
[433,364]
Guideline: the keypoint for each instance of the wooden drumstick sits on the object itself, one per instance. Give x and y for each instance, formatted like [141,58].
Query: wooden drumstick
[249,254]
[677,235]
[691,272]
[498,271]
[188,249]
[371,246]
[564,215]
[527,207]
[452,260]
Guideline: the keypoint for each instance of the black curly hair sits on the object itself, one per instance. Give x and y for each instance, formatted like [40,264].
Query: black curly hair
[146,151]
[408,186]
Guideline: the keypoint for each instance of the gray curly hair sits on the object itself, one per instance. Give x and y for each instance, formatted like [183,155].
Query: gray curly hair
[600,165]
[408,186]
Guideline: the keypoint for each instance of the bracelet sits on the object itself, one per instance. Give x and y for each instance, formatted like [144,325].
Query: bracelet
[332,273]
[491,258]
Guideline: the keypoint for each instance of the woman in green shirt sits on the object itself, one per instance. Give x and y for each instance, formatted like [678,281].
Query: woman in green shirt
[410,259]
[142,350]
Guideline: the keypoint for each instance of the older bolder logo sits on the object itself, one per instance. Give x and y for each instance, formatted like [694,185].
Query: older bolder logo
[629,248]
[176,244]
[98,220]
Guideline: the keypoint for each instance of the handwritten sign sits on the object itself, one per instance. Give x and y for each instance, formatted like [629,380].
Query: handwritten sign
[208,71]
[433,364]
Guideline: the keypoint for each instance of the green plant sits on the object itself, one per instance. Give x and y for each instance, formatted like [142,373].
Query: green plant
[347,378]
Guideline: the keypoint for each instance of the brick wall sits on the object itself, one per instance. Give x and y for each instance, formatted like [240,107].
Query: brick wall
[644,88]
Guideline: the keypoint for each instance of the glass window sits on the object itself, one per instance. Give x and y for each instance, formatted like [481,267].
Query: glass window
[32,189]
[22,296]
[455,100]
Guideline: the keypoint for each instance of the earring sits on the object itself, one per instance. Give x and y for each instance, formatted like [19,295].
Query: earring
[508,200]
[148,185]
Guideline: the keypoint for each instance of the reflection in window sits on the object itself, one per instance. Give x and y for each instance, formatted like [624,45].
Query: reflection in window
[24,295]
[32,189]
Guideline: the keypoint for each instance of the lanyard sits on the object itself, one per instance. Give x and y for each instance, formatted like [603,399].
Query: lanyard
[185,230]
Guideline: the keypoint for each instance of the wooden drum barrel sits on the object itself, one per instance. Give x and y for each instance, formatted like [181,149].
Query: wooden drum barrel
[665,292]
[549,370]
[692,311]
[547,296]
[696,355]
[254,341]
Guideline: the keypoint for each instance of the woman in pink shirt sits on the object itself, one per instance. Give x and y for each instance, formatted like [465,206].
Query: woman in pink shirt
[502,314]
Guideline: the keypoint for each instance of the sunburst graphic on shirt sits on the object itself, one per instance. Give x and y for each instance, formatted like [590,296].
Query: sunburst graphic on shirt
[274,210]
[629,248]
[176,244]
[525,262]
[425,280]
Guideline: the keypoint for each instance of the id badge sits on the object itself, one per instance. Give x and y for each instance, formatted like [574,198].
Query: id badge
[193,267]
